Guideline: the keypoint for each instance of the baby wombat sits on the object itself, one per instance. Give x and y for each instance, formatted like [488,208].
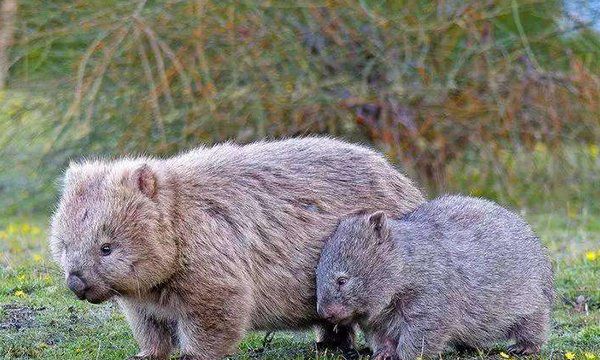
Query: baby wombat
[456,271]
[201,247]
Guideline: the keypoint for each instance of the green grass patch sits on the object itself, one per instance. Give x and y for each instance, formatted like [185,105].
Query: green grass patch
[41,319]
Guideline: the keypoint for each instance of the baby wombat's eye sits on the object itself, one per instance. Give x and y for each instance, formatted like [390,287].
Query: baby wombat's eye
[105,249]
[342,280]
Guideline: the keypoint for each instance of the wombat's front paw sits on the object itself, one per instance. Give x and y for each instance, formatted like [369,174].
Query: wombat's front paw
[523,349]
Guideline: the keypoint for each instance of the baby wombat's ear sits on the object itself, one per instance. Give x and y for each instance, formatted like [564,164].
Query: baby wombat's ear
[142,179]
[379,224]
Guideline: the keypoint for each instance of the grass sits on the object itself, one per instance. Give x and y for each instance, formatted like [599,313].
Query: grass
[41,319]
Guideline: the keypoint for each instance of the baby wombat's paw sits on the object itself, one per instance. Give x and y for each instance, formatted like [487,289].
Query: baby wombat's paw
[188,357]
[385,354]
[524,349]
[348,353]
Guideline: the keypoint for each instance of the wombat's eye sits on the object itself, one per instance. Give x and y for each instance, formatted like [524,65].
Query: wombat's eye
[105,249]
[341,281]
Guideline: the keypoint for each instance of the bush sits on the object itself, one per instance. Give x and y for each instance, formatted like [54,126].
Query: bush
[434,84]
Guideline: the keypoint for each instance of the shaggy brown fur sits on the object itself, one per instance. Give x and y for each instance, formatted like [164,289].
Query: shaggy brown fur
[206,245]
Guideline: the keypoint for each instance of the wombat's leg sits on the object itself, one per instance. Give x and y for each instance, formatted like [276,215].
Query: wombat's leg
[340,337]
[384,348]
[530,333]
[464,348]
[421,340]
[209,336]
[153,336]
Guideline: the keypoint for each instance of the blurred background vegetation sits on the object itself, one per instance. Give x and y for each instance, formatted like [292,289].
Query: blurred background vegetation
[497,98]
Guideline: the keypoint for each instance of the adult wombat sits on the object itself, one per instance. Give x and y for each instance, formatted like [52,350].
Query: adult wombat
[206,245]
[456,271]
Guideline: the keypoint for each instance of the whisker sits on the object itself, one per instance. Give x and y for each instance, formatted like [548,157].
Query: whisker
[116,292]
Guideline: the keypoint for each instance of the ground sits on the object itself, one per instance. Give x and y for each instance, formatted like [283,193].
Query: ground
[41,319]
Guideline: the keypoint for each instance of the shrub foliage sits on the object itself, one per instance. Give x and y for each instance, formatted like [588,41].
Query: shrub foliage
[429,82]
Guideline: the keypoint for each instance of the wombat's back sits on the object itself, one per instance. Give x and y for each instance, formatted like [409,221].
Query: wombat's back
[494,268]
[308,165]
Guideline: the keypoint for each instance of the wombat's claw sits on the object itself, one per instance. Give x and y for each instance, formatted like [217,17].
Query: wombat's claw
[384,355]
[322,346]
[350,354]
[327,345]
[267,339]
[523,349]
[365,352]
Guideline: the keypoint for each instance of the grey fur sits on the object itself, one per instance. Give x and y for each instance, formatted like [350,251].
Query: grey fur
[456,271]
[217,241]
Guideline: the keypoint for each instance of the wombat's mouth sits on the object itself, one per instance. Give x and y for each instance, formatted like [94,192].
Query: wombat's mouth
[96,297]
[343,321]
[98,300]
[335,313]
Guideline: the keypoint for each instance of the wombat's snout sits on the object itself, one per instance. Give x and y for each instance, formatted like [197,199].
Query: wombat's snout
[332,312]
[77,285]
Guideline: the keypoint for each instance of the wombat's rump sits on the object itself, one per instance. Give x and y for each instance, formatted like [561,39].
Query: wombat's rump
[204,246]
[456,271]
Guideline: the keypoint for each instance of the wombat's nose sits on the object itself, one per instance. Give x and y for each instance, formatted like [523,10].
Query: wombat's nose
[77,285]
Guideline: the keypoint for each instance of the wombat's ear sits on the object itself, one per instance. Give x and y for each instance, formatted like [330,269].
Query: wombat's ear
[143,179]
[70,173]
[378,221]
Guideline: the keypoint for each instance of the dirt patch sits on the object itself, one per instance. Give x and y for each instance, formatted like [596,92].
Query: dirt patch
[18,317]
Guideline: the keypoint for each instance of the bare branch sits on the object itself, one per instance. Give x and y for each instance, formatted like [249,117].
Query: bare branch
[153,88]
[185,80]
[8,15]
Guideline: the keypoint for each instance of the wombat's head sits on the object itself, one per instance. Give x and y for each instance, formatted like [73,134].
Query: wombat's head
[109,232]
[355,269]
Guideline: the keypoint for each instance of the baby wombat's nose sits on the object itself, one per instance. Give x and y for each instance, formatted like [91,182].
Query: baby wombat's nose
[77,285]
[331,312]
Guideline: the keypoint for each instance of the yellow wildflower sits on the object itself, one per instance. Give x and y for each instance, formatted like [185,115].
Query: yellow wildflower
[569,355]
[3,234]
[25,228]
[504,355]
[37,258]
[589,356]
[21,277]
[20,293]
[594,150]
[571,212]
[540,148]
[35,230]
[289,87]
[591,255]
[11,229]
